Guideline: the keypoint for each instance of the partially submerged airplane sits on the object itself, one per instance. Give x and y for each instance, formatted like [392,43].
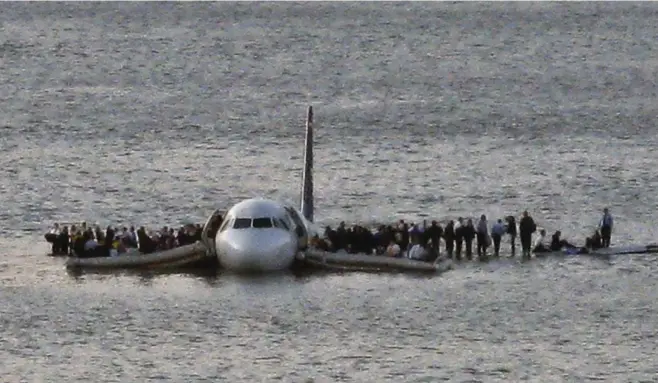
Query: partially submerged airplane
[264,235]
[261,235]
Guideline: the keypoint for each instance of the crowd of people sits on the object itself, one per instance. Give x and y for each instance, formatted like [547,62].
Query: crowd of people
[419,242]
[423,242]
[86,241]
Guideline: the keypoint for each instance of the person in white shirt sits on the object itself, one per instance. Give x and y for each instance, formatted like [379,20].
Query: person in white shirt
[540,243]
[91,244]
[129,238]
[87,246]
[415,229]
[55,229]
[133,237]
[497,232]
[393,249]
[417,251]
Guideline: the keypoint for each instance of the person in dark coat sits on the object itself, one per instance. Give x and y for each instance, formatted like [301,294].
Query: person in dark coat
[527,227]
[64,240]
[146,244]
[606,227]
[433,235]
[469,236]
[449,238]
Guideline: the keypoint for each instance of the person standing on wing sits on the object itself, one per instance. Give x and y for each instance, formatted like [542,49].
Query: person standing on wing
[527,226]
[606,227]
[497,232]
[482,233]
[511,230]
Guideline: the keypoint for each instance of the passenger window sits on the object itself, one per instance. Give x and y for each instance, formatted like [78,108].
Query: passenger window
[242,223]
[261,223]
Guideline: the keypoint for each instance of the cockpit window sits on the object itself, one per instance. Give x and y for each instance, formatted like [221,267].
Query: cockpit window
[223,226]
[281,224]
[226,224]
[261,223]
[242,223]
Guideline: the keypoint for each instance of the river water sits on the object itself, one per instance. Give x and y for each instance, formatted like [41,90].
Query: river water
[157,113]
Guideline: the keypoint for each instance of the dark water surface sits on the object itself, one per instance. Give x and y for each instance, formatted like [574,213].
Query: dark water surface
[157,113]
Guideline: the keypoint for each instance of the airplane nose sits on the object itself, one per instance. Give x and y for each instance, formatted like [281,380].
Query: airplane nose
[256,251]
[253,249]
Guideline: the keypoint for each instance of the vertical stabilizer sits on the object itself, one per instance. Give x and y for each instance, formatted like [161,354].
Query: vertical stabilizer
[307,177]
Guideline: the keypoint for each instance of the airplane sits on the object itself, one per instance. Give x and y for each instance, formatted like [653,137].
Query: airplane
[262,235]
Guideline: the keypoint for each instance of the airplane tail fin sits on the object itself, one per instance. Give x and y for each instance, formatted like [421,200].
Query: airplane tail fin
[307,177]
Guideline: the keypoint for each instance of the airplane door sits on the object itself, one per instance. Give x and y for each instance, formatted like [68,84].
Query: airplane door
[210,231]
[300,228]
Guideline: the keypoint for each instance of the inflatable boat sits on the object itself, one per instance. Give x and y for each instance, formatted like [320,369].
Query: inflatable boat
[188,255]
[363,262]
